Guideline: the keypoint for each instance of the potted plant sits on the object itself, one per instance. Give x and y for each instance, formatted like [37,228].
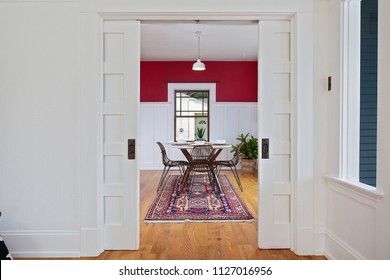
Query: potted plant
[199,133]
[248,152]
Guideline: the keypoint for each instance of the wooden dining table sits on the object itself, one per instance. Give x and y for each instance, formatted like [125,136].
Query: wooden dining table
[185,148]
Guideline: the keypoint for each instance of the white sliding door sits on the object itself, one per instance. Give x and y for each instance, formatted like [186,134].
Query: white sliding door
[120,109]
[275,122]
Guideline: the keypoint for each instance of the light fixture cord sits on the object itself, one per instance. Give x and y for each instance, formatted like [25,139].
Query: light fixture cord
[198,46]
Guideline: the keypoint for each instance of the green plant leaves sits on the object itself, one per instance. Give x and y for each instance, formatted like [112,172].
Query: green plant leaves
[200,132]
[249,147]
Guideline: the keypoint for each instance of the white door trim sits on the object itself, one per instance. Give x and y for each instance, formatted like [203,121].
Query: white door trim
[302,85]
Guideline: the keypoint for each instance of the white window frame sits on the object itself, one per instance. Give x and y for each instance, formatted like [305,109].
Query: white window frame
[350,105]
[350,91]
[210,87]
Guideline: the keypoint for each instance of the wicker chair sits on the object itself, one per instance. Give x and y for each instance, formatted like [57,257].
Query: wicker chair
[218,164]
[168,164]
[202,162]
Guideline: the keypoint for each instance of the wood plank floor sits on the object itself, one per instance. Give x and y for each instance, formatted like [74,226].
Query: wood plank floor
[199,241]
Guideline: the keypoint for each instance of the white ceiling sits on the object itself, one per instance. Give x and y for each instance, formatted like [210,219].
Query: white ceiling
[220,41]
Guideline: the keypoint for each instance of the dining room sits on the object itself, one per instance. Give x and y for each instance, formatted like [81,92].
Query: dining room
[230,80]
[232,110]
[73,98]
[170,92]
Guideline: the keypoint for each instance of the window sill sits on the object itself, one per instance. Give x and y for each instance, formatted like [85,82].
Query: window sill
[356,188]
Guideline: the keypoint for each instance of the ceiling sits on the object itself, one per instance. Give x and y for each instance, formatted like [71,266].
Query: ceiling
[219,41]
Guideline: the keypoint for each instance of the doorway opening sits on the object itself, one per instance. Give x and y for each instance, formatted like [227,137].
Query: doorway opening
[279,81]
[168,47]
[240,127]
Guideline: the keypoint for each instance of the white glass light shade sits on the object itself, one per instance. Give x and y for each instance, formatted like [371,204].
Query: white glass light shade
[198,66]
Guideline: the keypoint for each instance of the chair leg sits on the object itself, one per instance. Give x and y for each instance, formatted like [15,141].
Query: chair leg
[182,169]
[217,169]
[162,179]
[235,173]
[211,179]
[191,181]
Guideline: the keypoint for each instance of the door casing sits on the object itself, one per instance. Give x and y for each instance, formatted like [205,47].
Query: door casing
[302,65]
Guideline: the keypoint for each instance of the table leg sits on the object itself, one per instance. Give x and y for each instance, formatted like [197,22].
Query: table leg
[184,180]
[187,172]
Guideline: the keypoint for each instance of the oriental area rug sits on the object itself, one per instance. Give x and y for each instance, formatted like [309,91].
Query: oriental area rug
[200,204]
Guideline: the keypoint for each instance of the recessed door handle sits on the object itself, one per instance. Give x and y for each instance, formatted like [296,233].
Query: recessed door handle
[131,148]
[265,148]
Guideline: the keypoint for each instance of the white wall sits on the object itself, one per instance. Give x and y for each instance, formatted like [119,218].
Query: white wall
[40,127]
[179,6]
[229,120]
[321,72]
[57,200]
[383,174]
[48,128]
[357,226]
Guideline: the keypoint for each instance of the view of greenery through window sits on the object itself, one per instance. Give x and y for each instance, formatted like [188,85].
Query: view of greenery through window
[191,115]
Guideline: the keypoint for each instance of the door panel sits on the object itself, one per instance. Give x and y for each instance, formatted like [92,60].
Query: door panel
[275,123]
[121,51]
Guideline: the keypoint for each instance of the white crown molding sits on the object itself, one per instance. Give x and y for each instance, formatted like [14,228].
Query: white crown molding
[183,16]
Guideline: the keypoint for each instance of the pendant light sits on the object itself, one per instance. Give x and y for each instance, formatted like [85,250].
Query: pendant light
[198,65]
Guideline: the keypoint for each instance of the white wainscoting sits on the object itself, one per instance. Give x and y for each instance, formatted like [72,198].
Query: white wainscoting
[351,220]
[227,121]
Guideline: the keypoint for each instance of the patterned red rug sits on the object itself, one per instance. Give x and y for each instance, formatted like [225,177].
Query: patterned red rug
[199,205]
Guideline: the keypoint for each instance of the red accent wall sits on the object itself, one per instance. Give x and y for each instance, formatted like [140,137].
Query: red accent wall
[236,81]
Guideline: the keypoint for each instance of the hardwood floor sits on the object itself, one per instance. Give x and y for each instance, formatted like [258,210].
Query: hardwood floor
[199,241]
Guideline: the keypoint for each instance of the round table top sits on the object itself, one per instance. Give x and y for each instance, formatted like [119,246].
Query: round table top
[190,145]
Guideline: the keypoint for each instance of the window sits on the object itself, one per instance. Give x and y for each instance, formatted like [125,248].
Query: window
[368,91]
[191,115]
[359,91]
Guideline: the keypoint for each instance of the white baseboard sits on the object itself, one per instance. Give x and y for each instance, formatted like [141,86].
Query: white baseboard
[152,166]
[304,241]
[319,241]
[42,244]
